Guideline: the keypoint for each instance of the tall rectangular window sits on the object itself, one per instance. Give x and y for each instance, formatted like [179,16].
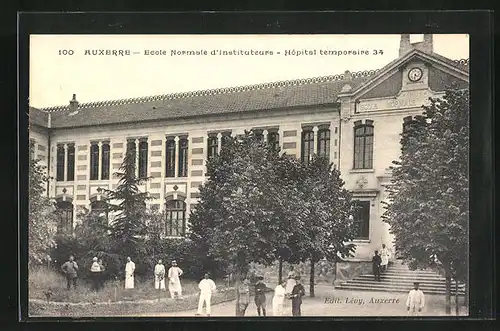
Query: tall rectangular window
[60,163]
[362,219]
[143,159]
[183,157]
[71,163]
[131,150]
[94,161]
[307,145]
[212,146]
[105,158]
[363,145]
[324,143]
[273,139]
[175,218]
[170,158]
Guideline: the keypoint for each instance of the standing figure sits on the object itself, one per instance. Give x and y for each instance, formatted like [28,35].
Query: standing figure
[385,255]
[376,260]
[260,295]
[415,302]
[174,282]
[160,276]
[129,273]
[290,283]
[244,290]
[207,288]
[70,269]
[279,299]
[297,293]
[95,274]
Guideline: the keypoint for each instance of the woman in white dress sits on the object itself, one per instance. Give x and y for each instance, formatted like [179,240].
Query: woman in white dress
[129,273]
[160,276]
[279,299]
[384,255]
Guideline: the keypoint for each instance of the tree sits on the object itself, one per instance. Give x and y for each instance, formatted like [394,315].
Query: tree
[326,229]
[234,218]
[42,220]
[127,229]
[428,197]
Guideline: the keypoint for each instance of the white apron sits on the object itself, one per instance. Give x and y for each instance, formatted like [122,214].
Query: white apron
[174,284]
[160,276]
[129,274]
[278,301]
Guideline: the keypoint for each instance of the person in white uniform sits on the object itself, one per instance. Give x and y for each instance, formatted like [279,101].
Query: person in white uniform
[385,255]
[159,276]
[129,273]
[174,282]
[415,302]
[279,299]
[207,288]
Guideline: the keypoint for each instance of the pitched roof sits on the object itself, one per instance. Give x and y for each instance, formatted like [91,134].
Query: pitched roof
[282,94]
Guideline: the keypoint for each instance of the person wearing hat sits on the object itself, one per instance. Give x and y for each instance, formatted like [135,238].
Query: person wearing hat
[95,272]
[174,281]
[207,288]
[129,273]
[297,293]
[415,301]
[260,295]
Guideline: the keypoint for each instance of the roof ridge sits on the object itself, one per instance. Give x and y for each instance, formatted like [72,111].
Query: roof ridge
[215,91]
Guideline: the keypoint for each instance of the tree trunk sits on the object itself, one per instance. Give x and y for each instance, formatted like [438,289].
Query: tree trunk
[457,304]
[448,296]
[311,280]
[237,289]
[280,271]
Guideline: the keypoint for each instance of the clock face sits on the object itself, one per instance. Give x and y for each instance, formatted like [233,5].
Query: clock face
[415,74]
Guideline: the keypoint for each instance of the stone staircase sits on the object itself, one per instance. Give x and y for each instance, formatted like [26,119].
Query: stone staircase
[398,278]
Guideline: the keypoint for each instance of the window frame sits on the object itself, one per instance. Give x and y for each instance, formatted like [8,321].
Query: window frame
[273,139]
[105,160]
[94,161]
[360,213]
[65,208]
[309,143]
[183,157]
[360,160]
[60,164]
[324,136]
[70,171]
[212,146]
[179,206]
[170,157]
[143,158]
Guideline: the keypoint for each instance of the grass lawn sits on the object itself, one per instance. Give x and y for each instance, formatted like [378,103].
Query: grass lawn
[112,299]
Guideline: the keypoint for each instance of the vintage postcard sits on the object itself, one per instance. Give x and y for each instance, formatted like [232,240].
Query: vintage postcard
[248,175]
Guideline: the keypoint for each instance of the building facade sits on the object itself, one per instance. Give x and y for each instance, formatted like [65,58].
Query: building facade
[355,119]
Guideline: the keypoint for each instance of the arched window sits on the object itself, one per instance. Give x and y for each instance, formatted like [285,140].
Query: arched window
[99,208]
[307,145]
[65,214]
[175,225]
[363,145]
[324,142]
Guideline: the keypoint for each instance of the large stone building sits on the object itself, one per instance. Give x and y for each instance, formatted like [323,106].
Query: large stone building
[355,118]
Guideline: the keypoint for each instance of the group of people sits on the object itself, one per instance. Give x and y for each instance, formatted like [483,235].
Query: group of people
[174,281]
[70,269]
[289,290]
[380,262]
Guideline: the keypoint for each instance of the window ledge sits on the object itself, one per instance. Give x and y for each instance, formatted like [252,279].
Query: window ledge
[361,171]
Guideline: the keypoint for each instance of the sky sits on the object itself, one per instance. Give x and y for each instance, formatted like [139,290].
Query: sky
[55,75]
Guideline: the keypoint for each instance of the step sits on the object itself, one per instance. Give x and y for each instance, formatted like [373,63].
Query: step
[399,290]
[409,278]
[409,272]
[391,288]
[402,282]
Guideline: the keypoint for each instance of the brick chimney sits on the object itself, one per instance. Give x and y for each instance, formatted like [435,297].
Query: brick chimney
[406,46]
[73,104]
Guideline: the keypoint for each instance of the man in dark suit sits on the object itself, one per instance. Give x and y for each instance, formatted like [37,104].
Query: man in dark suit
[297,293]
[376,261]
